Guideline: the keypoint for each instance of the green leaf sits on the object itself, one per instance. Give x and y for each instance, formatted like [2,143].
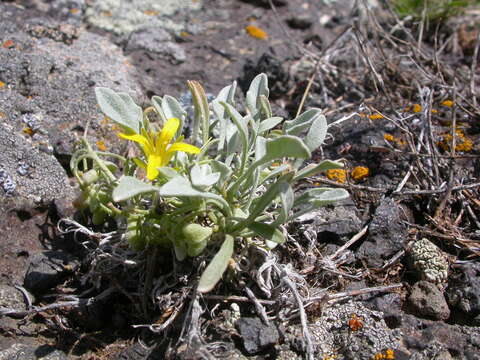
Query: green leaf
[317,132]
[214,271]
[181,187]
[260,147]
[302,122]
[128,186]
[313,169]
[268,232]
[120,108]
[258,86]
[269,124]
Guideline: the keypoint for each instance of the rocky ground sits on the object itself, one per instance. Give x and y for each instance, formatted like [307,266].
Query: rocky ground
[393,273]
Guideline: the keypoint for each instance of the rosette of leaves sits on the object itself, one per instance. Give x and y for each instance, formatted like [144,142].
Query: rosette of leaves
[239,186]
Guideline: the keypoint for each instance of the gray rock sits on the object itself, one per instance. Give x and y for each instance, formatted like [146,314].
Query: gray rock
[256,335]
[12,298]
[28,177]
[25,352]
[156,40]
[53,82]
[386,234]
[463,291]
[48,269]
[427,300]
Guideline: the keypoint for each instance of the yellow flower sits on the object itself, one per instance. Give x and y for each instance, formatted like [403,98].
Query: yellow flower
[157,147]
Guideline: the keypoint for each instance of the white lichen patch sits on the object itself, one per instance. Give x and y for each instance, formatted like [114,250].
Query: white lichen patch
[429,261]
[123,17]
[352,331]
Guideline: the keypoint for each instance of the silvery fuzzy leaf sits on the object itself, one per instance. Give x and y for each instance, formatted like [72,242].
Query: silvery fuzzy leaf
[202,176]
[267,199]
[317,133]
[181,187]
[286,146]
[240,122]
[269,124]
[128,187]
[172,109]
[258,86]
[168,172]
[120,108]
[214,271]
[157,104]
[321,196]
[225,95]
[224,170]
[260,147]
[287,198]
[302,122]
[313,169]
[268,232]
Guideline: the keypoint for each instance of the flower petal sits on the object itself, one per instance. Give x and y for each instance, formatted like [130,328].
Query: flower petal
[180,146]
[143,140]
[154,161]
[168,132]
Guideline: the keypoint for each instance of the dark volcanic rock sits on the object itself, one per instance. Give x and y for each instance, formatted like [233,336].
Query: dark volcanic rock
[386,234]
[427,300]
[48,269]
[463,292]
[256,335]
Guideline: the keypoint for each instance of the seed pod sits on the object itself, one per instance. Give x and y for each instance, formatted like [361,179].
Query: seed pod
[133,234]
[196,238]
[99,217]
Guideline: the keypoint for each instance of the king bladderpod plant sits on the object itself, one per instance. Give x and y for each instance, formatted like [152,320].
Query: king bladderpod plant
[228,185]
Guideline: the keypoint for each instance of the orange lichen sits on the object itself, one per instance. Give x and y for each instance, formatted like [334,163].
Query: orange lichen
[8,44]
[74,11]
[416,108]
[359,173]
[388,137]
[448,103]
[256,32]
[2,115]
[2,84]
[355,323]
[101,145]
[376,116]
[338,175]
[28,130]
[463,143]
[434,111]
[107,13]
[389,354]
[150,12]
